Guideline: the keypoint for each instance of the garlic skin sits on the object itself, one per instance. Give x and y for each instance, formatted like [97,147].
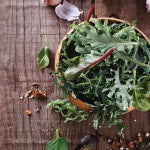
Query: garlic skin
[52,2]
[148,5]
[67,11]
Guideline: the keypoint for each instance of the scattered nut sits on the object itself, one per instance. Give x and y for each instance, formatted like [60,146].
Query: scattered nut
[118,143]
[32,96]
[27,112]
[24,100]
[131,145]
[39,94]
[28,93]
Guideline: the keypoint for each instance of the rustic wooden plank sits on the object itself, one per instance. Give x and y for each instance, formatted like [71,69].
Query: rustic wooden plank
[23,27]
[22,32]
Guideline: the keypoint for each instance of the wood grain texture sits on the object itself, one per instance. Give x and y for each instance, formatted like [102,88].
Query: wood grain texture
[23,25]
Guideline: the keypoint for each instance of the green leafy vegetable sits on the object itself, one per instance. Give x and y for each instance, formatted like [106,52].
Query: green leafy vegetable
[85,63]
[43,57]
[142,94]
[109,87]
[68,110]
[59,143]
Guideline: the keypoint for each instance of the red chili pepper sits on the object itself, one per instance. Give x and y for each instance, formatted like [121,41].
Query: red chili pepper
[90,12]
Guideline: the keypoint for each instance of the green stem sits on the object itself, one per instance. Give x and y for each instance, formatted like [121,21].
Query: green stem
[57,134]
[134,83]
[46,41]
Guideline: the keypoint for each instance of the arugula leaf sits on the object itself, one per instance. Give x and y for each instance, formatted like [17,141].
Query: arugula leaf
[86,35]
[68,110]
[121,92]
[59,143]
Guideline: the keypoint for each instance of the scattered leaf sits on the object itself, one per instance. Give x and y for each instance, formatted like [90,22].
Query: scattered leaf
[59,143]
[43,57]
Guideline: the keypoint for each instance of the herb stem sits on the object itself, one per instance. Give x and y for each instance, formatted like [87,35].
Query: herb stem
[46,41]
[57,134]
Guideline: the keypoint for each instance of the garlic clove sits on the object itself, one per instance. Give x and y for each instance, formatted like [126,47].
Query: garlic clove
[148,5]
[52,2]
[67,11]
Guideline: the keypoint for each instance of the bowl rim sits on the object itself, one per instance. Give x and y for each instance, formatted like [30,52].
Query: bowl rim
[57,56]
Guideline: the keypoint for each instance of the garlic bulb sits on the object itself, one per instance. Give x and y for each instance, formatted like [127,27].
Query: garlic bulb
[148,5]
[67,11]
[52,2]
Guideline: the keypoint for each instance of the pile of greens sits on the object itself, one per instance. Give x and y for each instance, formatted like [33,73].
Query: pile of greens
[111,86]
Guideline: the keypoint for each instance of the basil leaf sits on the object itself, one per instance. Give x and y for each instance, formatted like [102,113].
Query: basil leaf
[43,57]
[59,143]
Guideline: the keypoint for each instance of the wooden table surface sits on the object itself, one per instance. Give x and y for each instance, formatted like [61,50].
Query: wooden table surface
[23,26]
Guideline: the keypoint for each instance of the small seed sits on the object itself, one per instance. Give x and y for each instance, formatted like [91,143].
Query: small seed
[139,134]
[21,97]
[109,140]
[37,110]
[147,134]
[121,148]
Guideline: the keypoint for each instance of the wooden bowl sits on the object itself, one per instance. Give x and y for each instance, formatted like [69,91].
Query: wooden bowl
[111,20]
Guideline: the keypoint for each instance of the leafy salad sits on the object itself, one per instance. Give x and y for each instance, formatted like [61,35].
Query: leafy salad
[106,67]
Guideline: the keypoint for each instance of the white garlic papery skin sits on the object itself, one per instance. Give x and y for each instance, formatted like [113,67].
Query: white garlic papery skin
[148,5]
[67,11]
[52,2]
